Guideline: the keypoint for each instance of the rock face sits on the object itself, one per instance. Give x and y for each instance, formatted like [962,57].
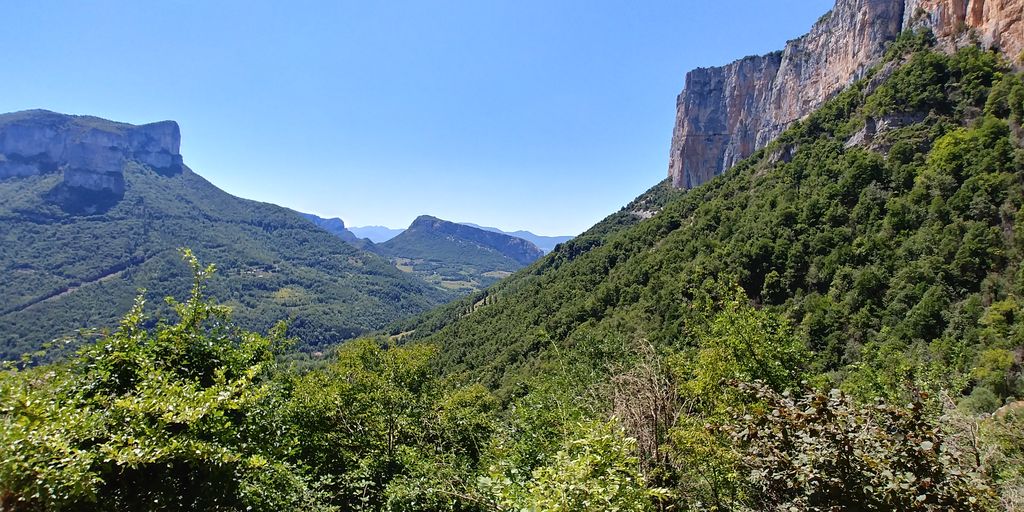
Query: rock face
[726,113]
[334,226]
[91,152]
[996,23]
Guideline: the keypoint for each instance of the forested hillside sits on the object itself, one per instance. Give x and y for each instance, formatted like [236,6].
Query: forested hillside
[834,324]
[888,240]
[877,239]
[63,270]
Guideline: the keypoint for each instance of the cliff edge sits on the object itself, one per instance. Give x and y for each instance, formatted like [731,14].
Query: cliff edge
[726,113]
[89,151]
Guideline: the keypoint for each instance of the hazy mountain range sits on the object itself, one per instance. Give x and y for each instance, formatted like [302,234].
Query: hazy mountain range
[545,243]
[376,234]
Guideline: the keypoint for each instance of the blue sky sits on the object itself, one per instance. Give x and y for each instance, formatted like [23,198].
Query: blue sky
[528,114]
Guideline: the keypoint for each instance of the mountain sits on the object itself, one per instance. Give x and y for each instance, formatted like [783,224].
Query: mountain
[726,113]
[544,243]
[376,234]
[835,322]
[94,210]
[882,226]
[334,226]
[381,234]
[871,249]
[457,256]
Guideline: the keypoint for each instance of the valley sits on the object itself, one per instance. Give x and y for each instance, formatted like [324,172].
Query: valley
[820,307]
[455,256]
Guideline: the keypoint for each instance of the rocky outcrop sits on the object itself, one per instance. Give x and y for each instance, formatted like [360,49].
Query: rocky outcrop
[726,113]
[718,118]
[994,23]
[336,227]
[91,152]
[875,129]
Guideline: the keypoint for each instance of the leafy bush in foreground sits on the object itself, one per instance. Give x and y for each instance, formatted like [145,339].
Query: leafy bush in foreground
[180,416]
[818,451]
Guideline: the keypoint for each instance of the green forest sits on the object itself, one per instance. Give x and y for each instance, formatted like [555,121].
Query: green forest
[276,265]
[835,324]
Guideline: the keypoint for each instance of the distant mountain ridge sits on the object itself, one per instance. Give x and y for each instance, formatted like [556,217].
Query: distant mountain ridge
[376,234]
[381,234]
[456,256]
[519,250]
[545,243]
[335,226]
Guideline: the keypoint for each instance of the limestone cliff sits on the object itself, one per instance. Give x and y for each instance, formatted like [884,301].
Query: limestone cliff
[726,113]
[336,227]
[995,23]
[91,152]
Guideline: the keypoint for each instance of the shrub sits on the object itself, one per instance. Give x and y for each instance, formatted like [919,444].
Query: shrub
[818,451]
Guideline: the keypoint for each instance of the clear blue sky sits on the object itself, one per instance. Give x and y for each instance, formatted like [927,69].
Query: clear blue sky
[544,115]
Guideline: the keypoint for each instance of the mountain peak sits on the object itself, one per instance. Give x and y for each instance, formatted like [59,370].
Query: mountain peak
[426,221]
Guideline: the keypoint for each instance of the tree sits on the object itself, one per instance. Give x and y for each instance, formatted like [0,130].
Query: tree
[594,470]
[175,417]
[383,433]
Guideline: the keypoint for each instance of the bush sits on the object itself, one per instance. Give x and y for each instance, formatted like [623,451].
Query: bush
[819,451]
[178,417]
[596,470]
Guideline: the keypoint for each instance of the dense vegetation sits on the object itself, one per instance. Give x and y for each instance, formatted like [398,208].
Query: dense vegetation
[903,246]
[891,254]
[831,325]
[198,414]
[65,271]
